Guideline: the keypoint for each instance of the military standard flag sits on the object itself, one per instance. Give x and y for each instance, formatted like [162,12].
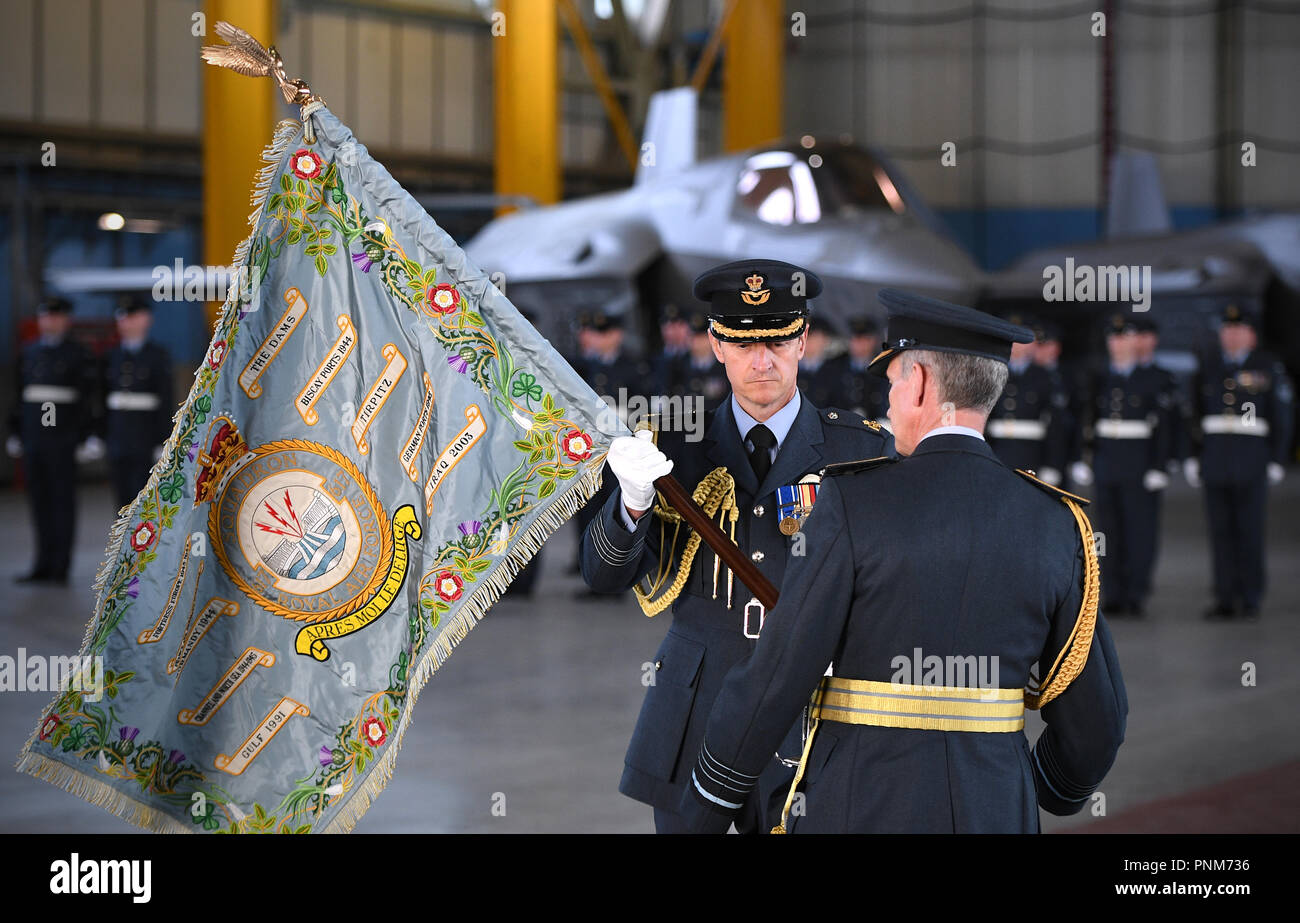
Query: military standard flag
[374,445]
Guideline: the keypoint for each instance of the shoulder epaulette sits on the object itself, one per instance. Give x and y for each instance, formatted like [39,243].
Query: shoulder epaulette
[1055,491]
[849,418]
[853,467]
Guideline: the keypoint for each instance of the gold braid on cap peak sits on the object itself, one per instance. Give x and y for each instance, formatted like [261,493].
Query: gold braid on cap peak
[1074,655]
[788,330]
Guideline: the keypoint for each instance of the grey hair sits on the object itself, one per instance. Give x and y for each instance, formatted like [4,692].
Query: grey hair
[968,382]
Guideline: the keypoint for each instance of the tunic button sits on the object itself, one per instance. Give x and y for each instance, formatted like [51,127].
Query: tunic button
[1230,383]
[1229,399]
[832,415]
[1009,403]
[758,510]
[757,556]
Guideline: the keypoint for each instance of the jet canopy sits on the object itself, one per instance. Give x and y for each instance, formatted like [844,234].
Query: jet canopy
[790,185]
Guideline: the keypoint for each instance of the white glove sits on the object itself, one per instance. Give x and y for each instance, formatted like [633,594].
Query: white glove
[1050,476]
[1192,471]
[92,450]
[14,447]
[156,453]
[1275,473]
[1155,480]
[1081,474]
[637,463]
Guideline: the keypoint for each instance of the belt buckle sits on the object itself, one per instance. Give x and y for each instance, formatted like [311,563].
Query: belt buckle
[751,632]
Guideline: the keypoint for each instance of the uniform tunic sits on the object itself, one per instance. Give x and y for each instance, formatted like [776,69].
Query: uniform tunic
[705,638]
[138,396]
[1245,410]
[1130,436]
[949,553]
[56,393]
[1028,426]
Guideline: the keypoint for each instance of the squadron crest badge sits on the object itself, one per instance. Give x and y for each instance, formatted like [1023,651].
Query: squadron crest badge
[296,526]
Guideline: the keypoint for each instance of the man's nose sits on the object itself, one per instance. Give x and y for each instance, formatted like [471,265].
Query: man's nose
[762,358]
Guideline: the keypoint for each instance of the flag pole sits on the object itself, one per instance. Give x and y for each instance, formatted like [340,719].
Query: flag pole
[246,55]
[740,564]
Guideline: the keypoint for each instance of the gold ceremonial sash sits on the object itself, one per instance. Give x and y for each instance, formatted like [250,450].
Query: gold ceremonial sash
[928,708]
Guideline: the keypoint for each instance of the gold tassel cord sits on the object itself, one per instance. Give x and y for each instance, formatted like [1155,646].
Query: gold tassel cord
[803,760]
[716,495]
[1074,654]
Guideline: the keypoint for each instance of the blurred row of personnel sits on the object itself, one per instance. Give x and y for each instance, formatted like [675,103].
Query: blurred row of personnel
[70,408]
[1117,430]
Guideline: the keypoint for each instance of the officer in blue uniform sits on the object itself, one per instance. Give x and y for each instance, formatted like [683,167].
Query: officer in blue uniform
[1245,405]
[138,398]
[699,372]
[614,375]
[846,379]
[1128,434]
[51,428]
[767,437]
[1027,428]
[931,586]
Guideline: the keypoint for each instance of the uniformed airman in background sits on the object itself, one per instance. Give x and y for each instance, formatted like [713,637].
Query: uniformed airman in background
[138,398]
[844,380]
[615,376]
[1027,426]
[1127,434]
[1244,403]
[813,380]
[1069,376]
[930,588]
[702,374]
[762,449]
[52,429]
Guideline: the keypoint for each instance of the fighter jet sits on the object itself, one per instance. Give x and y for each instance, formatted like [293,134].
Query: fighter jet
[843,211]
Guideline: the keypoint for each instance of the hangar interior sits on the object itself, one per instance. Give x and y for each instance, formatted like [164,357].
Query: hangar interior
[993,131]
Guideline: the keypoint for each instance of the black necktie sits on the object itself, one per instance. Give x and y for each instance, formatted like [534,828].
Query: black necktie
[761,457]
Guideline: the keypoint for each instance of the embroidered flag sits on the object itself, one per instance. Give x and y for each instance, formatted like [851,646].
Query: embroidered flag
[374,445]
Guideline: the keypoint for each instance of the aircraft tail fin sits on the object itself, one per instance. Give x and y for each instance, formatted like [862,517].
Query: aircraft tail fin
[1137,200]
[669,141]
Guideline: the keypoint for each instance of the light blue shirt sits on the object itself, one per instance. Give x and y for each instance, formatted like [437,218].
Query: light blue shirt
[779,423]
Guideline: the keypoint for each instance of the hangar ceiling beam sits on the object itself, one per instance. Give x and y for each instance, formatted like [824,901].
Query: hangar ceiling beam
[600,78]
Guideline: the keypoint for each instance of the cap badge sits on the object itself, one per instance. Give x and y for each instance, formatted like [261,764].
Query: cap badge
[756,294]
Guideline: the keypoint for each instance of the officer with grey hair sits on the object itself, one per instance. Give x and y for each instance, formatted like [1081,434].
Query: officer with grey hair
[929,589]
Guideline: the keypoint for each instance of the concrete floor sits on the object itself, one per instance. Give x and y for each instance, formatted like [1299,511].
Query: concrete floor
[538,702]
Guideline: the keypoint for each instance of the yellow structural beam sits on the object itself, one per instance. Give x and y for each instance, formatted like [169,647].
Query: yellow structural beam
[238,119]
[526,90]
[753,74]
[596,71]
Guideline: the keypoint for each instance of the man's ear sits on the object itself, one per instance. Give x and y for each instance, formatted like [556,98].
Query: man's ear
[803,341]
[717,348]
[924,381]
